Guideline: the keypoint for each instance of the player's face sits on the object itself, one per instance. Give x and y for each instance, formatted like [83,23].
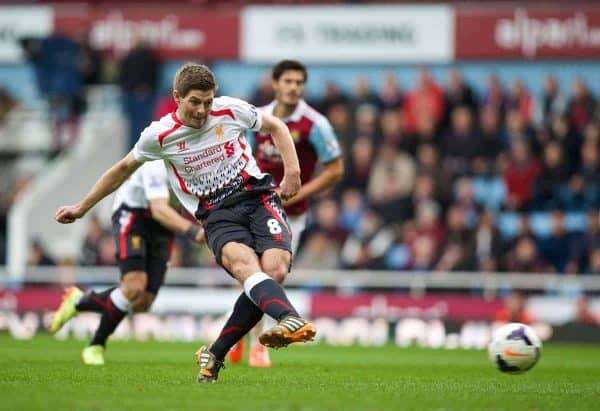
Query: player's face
[194,107]
[290,87]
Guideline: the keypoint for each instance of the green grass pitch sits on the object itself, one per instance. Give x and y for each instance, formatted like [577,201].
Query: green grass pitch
[44,374]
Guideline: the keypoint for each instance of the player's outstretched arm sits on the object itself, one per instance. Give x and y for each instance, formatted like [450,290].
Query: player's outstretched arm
[171,219]
[290,184]
[106,184]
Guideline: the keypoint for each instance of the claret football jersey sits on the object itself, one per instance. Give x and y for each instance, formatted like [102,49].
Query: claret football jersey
[315,142]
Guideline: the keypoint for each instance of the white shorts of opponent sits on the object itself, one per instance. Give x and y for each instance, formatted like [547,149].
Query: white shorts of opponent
[297,224]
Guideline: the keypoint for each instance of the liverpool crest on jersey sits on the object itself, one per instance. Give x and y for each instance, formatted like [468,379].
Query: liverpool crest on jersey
[219,132]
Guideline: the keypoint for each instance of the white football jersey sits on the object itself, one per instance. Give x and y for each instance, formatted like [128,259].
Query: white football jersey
[146,183]
[211,164]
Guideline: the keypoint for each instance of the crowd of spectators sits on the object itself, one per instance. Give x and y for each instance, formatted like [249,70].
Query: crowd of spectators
[451,178]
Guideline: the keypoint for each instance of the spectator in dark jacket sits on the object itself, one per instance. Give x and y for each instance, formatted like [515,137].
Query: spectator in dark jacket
[555,173]
[582,246]
[138,78]
[553,103]
[555,248]
[581,106]
[458,94]
[569,138]
[59,78]
[358,169]
[489,144]
[524,258]
[457,252]
[459,146]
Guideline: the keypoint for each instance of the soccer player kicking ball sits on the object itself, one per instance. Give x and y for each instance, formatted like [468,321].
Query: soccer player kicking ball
[316,143]
[143,225]
[215,176]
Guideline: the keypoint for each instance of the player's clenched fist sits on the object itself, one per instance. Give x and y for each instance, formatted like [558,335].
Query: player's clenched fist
[290,184]
[68,214]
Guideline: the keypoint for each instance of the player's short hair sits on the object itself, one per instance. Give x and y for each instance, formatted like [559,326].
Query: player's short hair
[285,65]
[193,76]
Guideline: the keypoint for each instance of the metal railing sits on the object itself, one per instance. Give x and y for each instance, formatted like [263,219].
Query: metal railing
[415,282]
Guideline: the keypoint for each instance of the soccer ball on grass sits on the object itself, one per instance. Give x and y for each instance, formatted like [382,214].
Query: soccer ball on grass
[515,348]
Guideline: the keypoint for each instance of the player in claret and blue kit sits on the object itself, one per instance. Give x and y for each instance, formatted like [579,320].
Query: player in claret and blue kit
[317,147]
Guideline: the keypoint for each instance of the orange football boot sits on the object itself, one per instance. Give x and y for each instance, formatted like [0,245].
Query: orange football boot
[289,330]
[259,357]
[236,353]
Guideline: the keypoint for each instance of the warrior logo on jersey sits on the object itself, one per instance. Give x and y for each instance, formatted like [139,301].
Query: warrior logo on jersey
[181,146]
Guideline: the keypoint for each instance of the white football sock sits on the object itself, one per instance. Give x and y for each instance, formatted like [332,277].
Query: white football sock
[119,300]
[252,281]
